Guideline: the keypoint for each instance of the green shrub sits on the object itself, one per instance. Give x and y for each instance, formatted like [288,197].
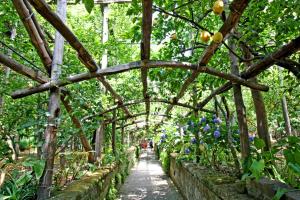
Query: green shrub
[165,161]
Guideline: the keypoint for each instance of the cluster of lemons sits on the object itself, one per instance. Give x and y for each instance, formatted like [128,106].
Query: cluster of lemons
[217,37]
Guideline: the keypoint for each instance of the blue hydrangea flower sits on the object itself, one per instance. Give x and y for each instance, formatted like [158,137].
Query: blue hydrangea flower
[206,128]
[187,151]
[163,136]
[217,120]
[162,141]
[191,124]
[193,141]
[251,138]
[217,134]
[202,121]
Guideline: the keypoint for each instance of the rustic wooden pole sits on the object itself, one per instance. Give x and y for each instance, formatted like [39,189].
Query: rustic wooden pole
[85,143]
[285,111]
[125,67]
[145,51]
[240,107]
[105,34]
[237,7]
[113,133]
[274,58]
[259,105]
[49,147]
[99,140]
[34,35]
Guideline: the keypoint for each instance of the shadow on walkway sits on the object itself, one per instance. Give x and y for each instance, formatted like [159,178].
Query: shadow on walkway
[147,181]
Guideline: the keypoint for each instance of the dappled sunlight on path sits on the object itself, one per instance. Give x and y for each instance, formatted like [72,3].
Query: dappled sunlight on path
[148,181]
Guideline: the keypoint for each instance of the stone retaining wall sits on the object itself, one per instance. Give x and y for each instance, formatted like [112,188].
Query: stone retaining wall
[96,185]
[198,182]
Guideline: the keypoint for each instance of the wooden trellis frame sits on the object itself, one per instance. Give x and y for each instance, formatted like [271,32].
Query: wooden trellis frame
[37,37]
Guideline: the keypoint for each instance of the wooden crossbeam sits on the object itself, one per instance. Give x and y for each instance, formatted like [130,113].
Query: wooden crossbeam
[111,120]
[33,74]
[135,102]
[84,56]
[237,7]
[111,1]
[130,66]
[134,123]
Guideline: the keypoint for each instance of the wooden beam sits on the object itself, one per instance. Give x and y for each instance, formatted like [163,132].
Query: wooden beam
[285,51]
[234,79]
[125,67]
[45,11]
[85,143]
[107,121]
[273,58]
[84,56]
[111,1]
[33,74]
[237,7]
[27,18]
[142,101]
[49,146]
[145,49]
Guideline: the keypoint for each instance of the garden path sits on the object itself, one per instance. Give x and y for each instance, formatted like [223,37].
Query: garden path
[148,181]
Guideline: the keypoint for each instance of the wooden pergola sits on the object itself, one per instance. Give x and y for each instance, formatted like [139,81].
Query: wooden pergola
[53,83]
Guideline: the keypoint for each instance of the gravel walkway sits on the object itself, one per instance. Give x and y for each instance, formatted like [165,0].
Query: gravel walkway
[147,181]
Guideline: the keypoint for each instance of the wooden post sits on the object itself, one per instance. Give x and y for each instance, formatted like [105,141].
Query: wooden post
[113,133]
[99,140]
[285,111]
[105,33]
[122,133]
[259,105]
[105,26]
[240,107]
[54,110]
[85,143]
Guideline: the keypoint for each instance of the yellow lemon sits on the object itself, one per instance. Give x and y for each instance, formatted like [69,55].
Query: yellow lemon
[205,36]
[174,36]
[218,7]
[217,37]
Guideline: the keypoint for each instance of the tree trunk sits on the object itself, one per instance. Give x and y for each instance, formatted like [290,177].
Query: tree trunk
[240,107]
[260,109]
[49,147]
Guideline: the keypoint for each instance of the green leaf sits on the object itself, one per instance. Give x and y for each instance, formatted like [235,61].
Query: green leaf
[89,5]
[280,192]
[2,197]
[38,168]
[295,167]
[297,157]
[259,143]
[257,168]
